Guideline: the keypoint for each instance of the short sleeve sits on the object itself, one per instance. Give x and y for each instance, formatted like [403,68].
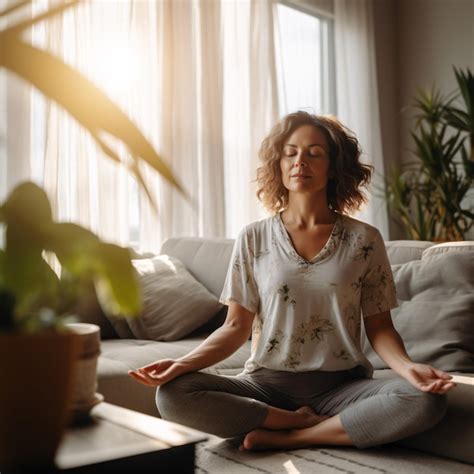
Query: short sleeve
[378,287]
[240,285]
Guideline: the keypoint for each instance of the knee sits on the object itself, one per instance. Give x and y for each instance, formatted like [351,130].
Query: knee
[171,397]
[431,408]
[427,409]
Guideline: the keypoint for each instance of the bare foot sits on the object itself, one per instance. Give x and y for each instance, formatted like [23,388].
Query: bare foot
[269,439]
[310,418]
[277,439]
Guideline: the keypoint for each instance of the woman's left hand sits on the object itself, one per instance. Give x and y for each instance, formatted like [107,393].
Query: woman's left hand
[427,378]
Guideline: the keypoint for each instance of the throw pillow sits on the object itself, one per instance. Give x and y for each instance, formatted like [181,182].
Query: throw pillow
[436,314]
[174,302]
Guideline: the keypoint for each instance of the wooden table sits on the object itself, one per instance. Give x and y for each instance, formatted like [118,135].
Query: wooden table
[117,440]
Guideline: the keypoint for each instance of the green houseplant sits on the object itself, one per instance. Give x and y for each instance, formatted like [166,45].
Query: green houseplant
[427,196]
[37,353]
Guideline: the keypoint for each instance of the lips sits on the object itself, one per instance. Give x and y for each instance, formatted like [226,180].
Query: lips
[300,176]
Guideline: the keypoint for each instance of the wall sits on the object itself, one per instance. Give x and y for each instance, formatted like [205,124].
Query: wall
[385,30]
[417,43]
[433,35]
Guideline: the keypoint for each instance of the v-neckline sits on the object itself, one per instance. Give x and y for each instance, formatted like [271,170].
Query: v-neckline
[325,251]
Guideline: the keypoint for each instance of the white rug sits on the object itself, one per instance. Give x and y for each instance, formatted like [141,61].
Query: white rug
[218,456]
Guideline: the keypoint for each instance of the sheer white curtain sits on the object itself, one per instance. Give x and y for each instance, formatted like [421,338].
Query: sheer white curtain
[250,103]
[217,85]
[190,128]
[84,185]
[15,123]
[357,93]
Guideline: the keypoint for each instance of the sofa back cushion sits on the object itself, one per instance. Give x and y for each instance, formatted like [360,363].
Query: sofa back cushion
[207,259]
[403,251]
[448,247]
[436,314]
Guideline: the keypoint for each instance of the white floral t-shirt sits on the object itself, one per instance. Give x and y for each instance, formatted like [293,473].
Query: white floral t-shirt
[308,312]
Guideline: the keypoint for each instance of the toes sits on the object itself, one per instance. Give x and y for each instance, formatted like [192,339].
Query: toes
[306,409]
[250,441]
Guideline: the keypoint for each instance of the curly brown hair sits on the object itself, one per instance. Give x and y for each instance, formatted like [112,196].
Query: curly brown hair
[347,174]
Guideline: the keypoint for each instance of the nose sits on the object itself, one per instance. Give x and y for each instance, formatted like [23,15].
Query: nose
[299,161]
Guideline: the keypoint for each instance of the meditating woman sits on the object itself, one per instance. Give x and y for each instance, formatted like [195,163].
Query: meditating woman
[301,281]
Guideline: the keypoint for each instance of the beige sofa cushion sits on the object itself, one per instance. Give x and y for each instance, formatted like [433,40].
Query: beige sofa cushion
[435,317]
[403,251]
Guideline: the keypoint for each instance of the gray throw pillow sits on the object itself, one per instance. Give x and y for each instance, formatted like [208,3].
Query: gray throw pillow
[436,314]
[174,302]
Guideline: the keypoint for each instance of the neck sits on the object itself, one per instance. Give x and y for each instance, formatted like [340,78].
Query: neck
[308,210]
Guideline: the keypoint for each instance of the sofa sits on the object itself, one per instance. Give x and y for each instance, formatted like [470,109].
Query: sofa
[435,288]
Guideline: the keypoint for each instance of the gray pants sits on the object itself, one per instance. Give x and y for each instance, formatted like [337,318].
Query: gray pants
[372,411]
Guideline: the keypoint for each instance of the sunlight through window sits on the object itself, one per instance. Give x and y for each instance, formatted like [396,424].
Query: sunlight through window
[115,64]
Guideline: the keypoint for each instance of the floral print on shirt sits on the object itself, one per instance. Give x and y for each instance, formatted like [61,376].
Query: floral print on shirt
[285,293]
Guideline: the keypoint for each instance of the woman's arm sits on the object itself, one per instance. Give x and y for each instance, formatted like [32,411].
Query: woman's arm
[218,346]
[388,344]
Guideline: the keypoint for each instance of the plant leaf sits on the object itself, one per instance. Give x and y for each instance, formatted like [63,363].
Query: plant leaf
[87,258]
[31,280]
[116,282]
[27,213]
[75,247]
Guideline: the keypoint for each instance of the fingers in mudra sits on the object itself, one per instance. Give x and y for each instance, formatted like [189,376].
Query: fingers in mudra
[139,377]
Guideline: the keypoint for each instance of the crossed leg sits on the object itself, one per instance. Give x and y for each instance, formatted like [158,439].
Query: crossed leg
[362,412]
[365,413]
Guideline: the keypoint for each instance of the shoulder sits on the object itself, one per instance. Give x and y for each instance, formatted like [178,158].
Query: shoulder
[361,228]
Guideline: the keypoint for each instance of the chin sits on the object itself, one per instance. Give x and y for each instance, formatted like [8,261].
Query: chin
[306,188]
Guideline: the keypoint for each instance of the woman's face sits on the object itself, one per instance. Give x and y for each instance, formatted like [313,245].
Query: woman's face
[304,162]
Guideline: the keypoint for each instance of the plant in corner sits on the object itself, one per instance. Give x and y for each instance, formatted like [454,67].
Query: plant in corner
[37,352]
[428,196]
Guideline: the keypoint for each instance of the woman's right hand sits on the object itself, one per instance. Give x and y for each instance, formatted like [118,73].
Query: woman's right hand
[159,372]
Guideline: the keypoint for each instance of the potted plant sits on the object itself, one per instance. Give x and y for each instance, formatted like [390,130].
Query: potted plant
[37,352]
[427,196]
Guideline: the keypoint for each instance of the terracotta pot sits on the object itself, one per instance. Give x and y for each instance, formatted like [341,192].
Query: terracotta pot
[36,372]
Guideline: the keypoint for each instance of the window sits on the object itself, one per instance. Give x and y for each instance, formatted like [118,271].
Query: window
[304,43]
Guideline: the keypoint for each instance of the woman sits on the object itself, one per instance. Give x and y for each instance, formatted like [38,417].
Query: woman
[300,280]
